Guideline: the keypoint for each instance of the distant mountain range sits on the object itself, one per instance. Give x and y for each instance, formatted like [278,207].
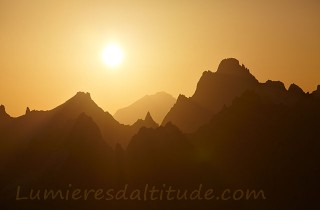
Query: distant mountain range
[158,105]
[112,131]
[234,132]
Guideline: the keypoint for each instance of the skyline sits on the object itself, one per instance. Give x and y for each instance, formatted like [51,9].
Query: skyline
[50,51]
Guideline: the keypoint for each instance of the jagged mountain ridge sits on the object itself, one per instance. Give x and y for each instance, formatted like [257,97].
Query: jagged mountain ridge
[218,89]
[34,121]
[266,138]
[214,90]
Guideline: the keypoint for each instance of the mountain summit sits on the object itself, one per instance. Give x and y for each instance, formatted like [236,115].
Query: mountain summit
[232,66]
[148,122]
[64,115]
[214,90]
[218,89]
[148,118]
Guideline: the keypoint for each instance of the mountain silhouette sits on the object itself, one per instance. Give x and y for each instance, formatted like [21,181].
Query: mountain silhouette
[273,91]
[86,152]
[234,132]
[72,153]
[3,113]
[265,144]
[316,93]
[157,104]
[219,89]
[166,149]
[214,90]
[112,131]
[56,123]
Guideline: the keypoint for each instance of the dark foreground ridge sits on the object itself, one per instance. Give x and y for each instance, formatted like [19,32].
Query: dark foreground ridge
[233,133]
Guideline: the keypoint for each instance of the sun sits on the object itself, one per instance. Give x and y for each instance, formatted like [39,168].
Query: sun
[112,55]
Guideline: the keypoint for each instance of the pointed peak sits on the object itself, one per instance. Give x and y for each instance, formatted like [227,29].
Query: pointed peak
[147,122]
[295,89]
[2,108]
[148,117]
[317,92]
[3,112]
[27,110]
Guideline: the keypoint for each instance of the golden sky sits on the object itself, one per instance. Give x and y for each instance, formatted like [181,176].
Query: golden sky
[50,49]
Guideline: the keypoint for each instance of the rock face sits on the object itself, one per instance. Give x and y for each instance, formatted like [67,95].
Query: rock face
[158,104]
[3,113]
[317,92]
[214,90]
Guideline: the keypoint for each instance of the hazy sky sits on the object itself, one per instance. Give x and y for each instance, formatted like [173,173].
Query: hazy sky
[49,50]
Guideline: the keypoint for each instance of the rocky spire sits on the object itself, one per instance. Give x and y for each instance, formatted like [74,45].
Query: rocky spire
[27,110]
[317,92]
[149,122]
[148,117]
[3,112]
[2,108]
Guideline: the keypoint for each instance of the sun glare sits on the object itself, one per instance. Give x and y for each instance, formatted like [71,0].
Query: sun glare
[112,55]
